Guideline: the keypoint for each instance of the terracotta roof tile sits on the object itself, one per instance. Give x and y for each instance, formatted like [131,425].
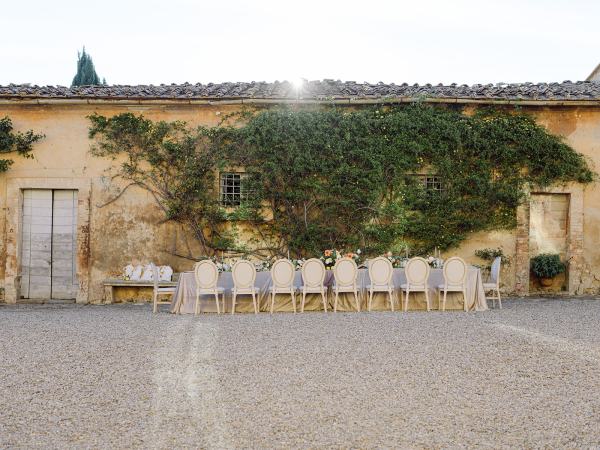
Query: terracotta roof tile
[315,90]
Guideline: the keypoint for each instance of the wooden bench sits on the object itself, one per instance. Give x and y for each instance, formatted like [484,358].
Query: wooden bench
[111,284]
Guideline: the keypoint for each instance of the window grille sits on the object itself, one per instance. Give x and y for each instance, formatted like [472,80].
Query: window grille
[232,191]
[433,183]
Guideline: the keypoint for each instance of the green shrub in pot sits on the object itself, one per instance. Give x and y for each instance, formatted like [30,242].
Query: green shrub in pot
[547,265]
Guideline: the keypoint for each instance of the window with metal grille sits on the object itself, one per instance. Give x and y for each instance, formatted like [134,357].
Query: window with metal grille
[232,190]
[433,183]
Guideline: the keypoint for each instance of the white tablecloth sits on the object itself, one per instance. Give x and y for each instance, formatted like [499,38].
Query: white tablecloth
[186,293]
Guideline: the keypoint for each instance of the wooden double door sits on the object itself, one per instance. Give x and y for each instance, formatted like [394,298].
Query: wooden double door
[49,244]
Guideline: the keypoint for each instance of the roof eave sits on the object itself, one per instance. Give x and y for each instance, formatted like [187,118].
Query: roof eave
[36,100]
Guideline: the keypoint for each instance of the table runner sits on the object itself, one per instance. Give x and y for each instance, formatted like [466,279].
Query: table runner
[186,293]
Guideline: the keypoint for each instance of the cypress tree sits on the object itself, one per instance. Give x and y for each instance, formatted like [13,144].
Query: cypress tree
[86,73]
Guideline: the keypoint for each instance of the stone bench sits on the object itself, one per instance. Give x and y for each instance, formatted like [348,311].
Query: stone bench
[112,284]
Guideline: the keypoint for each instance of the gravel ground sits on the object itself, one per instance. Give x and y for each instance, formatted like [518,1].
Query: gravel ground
[118,376]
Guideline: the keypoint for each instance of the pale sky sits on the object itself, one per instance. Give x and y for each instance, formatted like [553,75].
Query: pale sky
[425,41]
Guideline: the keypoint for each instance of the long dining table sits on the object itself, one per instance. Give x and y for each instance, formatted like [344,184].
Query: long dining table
[185,294]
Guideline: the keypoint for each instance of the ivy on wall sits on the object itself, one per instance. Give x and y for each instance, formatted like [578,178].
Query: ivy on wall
[173,162]
[15,142]
[347,178]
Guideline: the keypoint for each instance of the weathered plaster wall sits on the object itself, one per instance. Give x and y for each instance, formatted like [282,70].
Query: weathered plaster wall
[127,230]
[581,129]
[130,228]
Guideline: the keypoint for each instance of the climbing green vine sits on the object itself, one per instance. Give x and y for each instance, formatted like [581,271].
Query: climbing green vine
[379,178]
[15,142]
[173,162]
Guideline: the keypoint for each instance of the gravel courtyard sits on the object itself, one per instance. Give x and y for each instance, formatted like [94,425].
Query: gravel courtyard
[118,376]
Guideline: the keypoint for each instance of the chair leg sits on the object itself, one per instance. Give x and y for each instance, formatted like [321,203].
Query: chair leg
[439,292]
[254,302]
[197,304]
[465,299]
[499,299]
[324,300]
[370,300]
[357,301]
[233,303]
[180,304]
[406,300]
[391,301]
[335,301]
[427,298]
[272,301]
[303,301]
[444,304]
[294,301]
[155,302]
[401,299]
[217,300]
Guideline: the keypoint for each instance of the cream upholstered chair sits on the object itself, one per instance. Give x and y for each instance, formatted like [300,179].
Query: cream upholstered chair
[207,277]
[455,276]
[345,273]
[313,276]
[282,274]
[380,274]
[159,291]
[417,275]
[244,275]
[494,284]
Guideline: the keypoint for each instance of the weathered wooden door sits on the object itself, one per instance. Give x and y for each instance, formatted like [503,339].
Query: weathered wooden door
[48,258]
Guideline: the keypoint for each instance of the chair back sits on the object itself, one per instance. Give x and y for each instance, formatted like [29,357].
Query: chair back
[345,272]
[495,270]
[313,272]
[417,271]
[154,275]
[455,271]
[244,274]
[380,271]
[282,273]
[206,274]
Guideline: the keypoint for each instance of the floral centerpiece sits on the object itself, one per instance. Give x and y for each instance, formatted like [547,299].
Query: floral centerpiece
[222,265]
[329,258]
[396,260]
[298,263]
[263,266]
[355,256]
[400,261]
[435,262]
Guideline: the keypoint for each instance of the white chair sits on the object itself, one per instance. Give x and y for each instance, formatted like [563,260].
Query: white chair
[282,274]
[159,291]
[455,276]
[244,275]
[313,276]
[207,277]
[345,273]
[494,284]
[380,274]
[417,275]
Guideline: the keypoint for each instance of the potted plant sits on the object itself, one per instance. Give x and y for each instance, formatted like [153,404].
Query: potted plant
[546,266]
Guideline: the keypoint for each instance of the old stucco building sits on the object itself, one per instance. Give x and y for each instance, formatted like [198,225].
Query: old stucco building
[60,195]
